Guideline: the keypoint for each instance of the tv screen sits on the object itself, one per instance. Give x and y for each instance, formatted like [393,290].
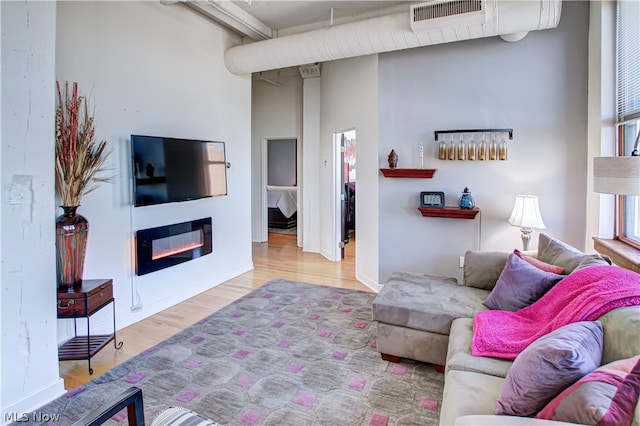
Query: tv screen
[168,170]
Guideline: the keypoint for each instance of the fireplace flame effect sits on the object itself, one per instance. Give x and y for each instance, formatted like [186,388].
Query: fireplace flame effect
[175,250]
[176,244]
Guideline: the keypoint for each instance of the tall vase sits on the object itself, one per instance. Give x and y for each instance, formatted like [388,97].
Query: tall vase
[71,244]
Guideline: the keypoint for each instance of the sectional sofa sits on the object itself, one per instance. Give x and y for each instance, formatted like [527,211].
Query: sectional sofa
[432,318]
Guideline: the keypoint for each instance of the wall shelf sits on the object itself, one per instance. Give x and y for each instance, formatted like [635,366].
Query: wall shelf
[451,212]
[409,173]
[509,131]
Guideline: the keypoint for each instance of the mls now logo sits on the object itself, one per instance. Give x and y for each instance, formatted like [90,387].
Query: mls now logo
[36,417]
[16,417]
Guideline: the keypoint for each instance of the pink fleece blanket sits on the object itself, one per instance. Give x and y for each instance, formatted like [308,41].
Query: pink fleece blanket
[583,295]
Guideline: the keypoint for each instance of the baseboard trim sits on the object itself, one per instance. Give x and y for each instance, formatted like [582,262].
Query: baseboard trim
[19,410]
[128,317]
[373,285]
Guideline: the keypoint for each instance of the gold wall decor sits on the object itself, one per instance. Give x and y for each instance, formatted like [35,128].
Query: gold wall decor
[473,144]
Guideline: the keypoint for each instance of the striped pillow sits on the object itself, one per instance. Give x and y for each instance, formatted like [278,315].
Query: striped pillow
[606,396]
[179,416]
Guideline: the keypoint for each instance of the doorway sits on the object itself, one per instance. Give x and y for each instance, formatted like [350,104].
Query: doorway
[281,170]
[346,214]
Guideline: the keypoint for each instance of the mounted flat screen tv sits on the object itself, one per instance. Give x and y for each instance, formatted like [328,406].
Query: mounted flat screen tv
[168,170]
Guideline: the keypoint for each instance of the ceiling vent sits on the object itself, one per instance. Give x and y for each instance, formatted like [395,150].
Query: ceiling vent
[438,14]
[310,70]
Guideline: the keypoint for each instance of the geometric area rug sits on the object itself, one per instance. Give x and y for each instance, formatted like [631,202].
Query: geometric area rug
[288,353]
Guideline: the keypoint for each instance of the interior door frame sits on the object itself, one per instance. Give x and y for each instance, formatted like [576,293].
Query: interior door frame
[338,191]
[264,208]
[264,232]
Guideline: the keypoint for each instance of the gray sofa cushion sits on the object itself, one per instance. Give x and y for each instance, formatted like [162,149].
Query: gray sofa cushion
[468,393]
[426,302]
[620,328]
[411,343]
[482,268]
[593,260]
[459,352]
[562,254]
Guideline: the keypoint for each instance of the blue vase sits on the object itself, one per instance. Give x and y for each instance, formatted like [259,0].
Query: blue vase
[466,200]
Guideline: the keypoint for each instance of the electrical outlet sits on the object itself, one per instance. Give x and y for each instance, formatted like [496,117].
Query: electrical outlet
[461,264]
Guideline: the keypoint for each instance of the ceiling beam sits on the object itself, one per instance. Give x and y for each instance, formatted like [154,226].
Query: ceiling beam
[229,15]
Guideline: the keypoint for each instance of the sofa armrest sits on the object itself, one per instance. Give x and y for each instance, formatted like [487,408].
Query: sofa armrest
[494,420]
[131,399]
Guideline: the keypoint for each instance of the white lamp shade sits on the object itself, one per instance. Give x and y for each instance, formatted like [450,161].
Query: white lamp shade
[526,213]
[616,175]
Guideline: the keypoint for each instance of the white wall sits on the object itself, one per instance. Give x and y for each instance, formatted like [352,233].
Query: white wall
[601,121]
[29,361]
[282,162]
[538,87]
[309,196]
[158,70]
[344,97]
[276,114]
[349,99]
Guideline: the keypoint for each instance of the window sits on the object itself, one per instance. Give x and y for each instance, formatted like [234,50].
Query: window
[628,108]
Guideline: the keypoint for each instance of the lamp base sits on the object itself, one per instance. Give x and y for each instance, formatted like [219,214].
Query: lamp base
[526,237]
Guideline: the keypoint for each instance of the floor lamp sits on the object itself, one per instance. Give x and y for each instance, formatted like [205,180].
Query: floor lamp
[618,175]
[526,215]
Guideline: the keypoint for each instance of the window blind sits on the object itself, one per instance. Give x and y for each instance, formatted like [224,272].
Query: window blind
[628,60]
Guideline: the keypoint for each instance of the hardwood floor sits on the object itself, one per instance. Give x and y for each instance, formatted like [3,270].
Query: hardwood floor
[279,258]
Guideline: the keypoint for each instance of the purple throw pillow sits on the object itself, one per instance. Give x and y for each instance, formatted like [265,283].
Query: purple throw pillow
[520,284]
[549,365]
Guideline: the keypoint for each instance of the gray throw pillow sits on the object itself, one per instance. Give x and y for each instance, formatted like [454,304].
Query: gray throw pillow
[520,284]
[549,365]
[556,252]
[593,260]
[482,268]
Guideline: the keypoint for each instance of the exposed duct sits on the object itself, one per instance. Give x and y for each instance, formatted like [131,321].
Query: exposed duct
[510,19]
[434,15]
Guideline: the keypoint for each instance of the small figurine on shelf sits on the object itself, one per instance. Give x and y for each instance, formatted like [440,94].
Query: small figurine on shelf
[466,200]
[393,159]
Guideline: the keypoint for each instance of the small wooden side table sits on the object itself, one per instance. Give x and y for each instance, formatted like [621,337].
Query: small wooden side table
[82,302]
